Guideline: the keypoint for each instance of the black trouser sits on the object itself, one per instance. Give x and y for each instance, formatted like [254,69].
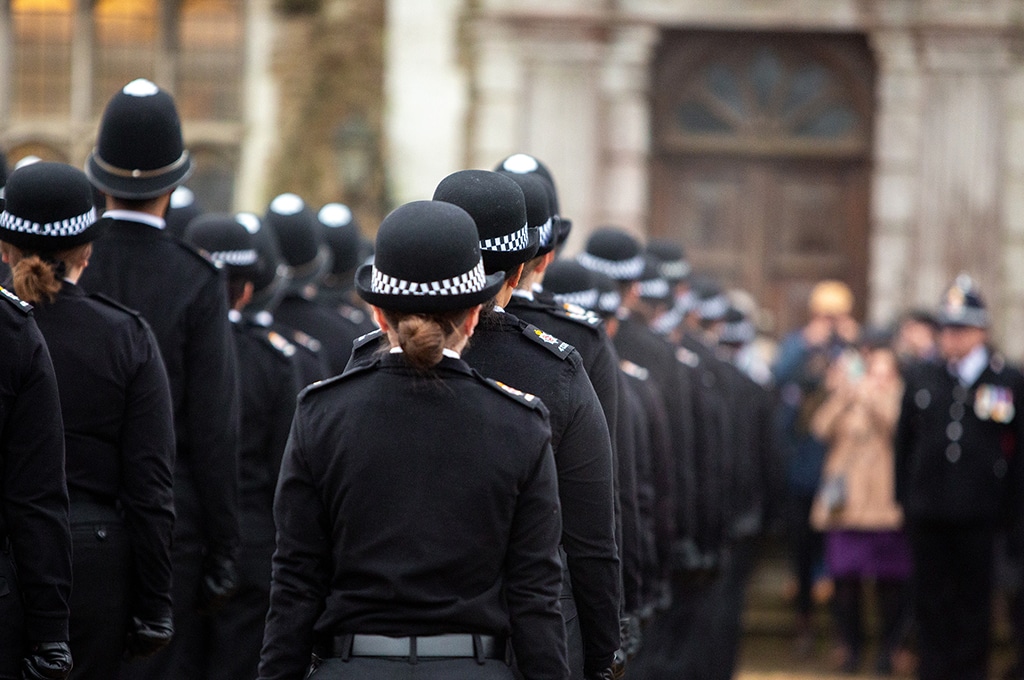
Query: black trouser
[720,637]
[847,608]
[953,597]
[185,657]
[236,631]
[670,650]
[12,616]
[806,549]
[101,570]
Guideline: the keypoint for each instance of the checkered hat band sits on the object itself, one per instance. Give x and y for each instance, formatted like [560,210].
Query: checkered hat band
[738,333]
[73,226]
[667,322]
[582,298]
[655,288]
[609,302]
[620,270]
[713,308]
[547,233]
[676,269]
[235,258]
[471,282]
[517,240]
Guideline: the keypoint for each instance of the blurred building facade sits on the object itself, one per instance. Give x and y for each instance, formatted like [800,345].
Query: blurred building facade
[782,141]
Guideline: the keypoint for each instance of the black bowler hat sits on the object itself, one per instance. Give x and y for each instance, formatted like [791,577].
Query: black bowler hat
[538,209]
[298,238]
[613,252]
[525,164]
[498,207]
[427,259]
[140,152]
[226,240]
[652,285]
[341,233]
[47,208]
[571,283]
[270,275]
[963,305]
[671,259]
[709,301]
[736,329]
[183,209]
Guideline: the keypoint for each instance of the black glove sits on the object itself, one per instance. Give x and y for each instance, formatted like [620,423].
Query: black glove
[219,582]
[606,674]
[47,661]
[147,637]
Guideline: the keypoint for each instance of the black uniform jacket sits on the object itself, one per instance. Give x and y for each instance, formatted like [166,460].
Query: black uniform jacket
[184,299]
[959,449]
[412,504]
[33,492]
[118,427]
[334,332]
[268,386]
[508,349]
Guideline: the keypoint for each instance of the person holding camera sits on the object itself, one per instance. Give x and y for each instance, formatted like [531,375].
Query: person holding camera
[856,505]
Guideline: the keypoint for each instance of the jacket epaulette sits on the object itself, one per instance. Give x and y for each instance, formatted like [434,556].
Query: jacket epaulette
[524,398]
[367,338]
[111,302]
[633,370]
[559,348]
[278,342]
[16,302]
[577,314]
[352,313]
[320,385]
[685,356]
[213,266]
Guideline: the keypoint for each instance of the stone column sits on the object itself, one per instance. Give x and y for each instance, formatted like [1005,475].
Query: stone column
[960,225]
[626,131]
[897,144]
[6,63]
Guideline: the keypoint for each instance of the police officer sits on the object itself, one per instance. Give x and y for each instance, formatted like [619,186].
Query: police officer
[308,258]
[380,570]
[35,539]
[116,408]
[138,161]
[508,349]
[959,474]
[342,234]
[268,385]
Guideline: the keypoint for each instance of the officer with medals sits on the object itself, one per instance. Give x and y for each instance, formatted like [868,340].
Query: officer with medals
[410,542]
[268,384]
[508,349]
[35,537]
[119,432]
[138,161]
[959,474]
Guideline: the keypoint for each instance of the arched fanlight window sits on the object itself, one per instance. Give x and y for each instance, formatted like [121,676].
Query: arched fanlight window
[126,45]
[42,34]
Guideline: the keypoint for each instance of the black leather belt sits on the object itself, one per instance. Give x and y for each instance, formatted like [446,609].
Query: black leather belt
[452,645]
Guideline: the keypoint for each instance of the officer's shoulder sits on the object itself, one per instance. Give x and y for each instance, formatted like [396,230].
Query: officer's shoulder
[687,357]
[15,302]
[367,338]
[194,255]
[576,314]
[111,303]
[634,370]
[526,399]
[559,348]
[322,387]
[274,341]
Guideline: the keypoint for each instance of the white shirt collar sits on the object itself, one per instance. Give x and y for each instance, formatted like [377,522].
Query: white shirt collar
[525,294]
[970,368]
[450,353]
[135,216]
[234,316]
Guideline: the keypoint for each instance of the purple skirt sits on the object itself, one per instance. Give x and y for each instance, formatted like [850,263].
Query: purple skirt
[868,554]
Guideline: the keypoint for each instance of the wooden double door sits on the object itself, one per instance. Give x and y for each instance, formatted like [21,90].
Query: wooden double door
[761,162]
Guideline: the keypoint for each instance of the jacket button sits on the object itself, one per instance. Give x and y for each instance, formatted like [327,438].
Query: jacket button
[953,453]
[954,431]
[1000,468]
[956,411]
[101,534]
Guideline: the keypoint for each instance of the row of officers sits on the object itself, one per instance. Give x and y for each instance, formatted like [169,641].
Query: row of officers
[524,466]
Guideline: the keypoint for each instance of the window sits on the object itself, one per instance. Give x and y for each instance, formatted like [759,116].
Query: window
[42,57]
[126,45]
[211,49]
